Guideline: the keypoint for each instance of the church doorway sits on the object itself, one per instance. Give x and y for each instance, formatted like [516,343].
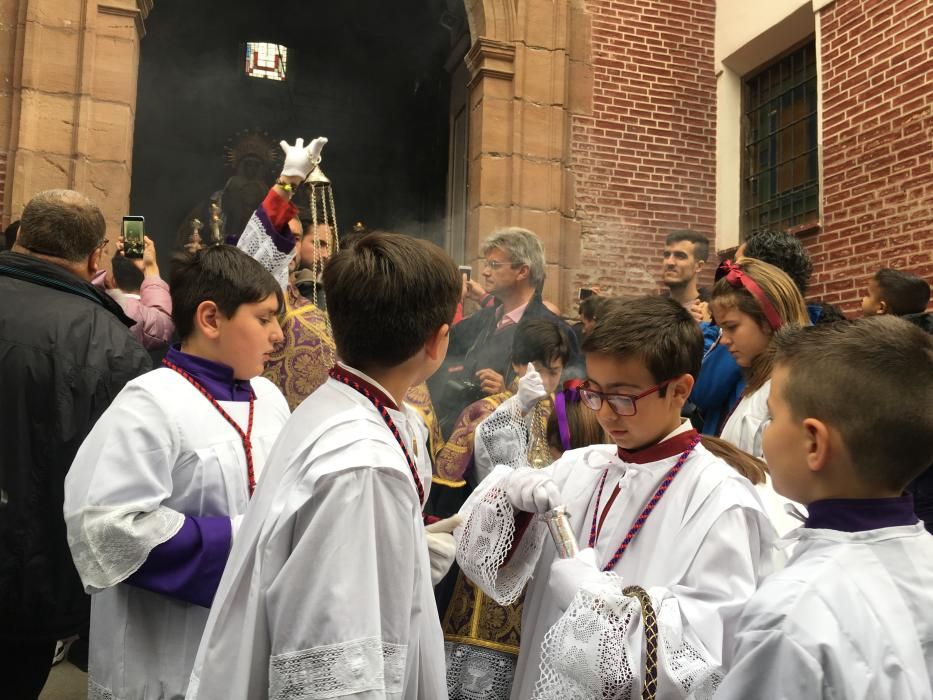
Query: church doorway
[220,83]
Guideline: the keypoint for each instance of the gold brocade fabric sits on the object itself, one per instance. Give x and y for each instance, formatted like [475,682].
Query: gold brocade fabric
[474,618]
[299,364]
[456,456]
[419,398]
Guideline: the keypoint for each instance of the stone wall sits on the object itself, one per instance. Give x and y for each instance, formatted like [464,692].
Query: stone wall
[68,113]
[644,160]
[877,78]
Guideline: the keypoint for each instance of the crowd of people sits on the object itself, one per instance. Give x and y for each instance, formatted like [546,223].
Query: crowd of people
[355,472]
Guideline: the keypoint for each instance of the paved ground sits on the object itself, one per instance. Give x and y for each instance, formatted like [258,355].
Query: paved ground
[65,682]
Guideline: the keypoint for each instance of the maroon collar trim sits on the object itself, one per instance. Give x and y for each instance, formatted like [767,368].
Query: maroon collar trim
[386,400]
[672,447]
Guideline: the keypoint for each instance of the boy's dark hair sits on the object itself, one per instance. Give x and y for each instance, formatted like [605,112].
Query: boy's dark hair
[700,242]
[386,295]
[222,274]
[128,277]
[782,250]
[589,307]
[903,292]
[539,340]
[871,380]
[656,329]
[829,313]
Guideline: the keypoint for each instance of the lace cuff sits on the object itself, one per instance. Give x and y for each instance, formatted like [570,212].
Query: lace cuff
[504,434]
[108,545]
[487,537]
[258,244]
[596,649]
[336,670]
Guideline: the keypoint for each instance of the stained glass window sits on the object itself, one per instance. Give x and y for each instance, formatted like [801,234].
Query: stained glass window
[266,60]
[781,160]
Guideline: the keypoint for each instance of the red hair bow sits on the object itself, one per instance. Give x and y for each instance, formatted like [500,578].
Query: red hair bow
[737,277]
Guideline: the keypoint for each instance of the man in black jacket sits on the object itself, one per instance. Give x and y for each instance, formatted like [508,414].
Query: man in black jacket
[477,362]
[65,353]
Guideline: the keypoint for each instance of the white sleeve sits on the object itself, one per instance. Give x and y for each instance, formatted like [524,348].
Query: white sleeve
[770,665]
[502,438]
[598,647]
[487,539]
[339,611]
[257,242]
[114,490]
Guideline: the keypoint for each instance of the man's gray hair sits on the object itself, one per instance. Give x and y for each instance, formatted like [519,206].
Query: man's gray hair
[523,248]
[63,224]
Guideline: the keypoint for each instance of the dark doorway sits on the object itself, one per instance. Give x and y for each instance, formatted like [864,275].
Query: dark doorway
[374,77]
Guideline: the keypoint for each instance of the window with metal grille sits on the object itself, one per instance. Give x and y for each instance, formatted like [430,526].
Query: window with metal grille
[265,60]
[780,161]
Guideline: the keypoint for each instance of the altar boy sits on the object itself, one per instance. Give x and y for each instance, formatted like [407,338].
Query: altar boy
[328,592]
[656,510]
[851,616]
[155,493]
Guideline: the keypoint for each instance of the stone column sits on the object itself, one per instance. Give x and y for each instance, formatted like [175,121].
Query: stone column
[521,102]
[68,110]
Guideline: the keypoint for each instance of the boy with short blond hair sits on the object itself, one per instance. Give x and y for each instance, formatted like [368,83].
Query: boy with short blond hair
[655,510]
[328,592]
[851,425]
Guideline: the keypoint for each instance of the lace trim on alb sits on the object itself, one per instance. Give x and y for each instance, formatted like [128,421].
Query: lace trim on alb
[474,673]
[340,669]
[257,244]
[95,691]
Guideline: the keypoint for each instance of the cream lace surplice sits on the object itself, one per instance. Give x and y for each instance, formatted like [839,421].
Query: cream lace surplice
[160,452]
[700,556]
[328,591]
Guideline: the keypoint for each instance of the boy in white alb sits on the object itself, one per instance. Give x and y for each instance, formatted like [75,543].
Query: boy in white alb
[328,592]
[656,510]
[155,491]
[851,616]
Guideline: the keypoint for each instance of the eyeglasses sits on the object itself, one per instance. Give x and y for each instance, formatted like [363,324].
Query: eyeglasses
[103,244]
[496,264]
[622,404]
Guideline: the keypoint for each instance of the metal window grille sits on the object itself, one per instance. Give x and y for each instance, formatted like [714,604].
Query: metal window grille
[781,178]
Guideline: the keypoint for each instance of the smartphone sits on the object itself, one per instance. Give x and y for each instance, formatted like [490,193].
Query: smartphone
[466,270]
[133,236]
[586,292]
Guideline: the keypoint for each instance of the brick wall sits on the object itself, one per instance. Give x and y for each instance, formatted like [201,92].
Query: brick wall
[644,160]
[877,78]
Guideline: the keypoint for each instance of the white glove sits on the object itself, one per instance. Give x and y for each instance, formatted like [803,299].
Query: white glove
[299,161]
[530,490]
[441,546]
[567,575]
[530,389]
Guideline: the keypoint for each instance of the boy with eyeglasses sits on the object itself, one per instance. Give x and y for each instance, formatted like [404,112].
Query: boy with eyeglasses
[656,510]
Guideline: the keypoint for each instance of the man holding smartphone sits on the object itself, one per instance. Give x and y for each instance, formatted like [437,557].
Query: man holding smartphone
[65,353]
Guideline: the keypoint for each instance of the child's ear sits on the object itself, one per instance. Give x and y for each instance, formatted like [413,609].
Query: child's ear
[816,434]
[434,345]
[681,387]
[207,319]
[882,307]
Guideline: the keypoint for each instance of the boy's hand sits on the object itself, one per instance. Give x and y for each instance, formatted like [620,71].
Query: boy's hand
[532,491]
[442,547]
[530,389]
[567,575]
[300,160]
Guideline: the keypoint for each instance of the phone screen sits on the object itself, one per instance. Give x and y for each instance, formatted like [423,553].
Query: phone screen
[133,236]
[466,270]
[585,292]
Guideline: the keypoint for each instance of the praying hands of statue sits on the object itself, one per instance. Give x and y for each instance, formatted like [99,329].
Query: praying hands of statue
[490,381]
[300,160]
